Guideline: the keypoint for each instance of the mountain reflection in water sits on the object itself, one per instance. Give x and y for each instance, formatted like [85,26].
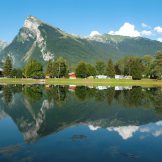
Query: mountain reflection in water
[41,110]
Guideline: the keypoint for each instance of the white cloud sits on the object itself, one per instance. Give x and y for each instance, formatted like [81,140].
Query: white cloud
[126,30]
[158,29]
[146,33]
[159,123]
[159,39]
[157,133]
[93,128]
[125,131]
[145,25]
[94,33]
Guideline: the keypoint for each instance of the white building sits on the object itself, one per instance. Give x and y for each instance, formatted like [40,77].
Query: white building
[119,76]
[101,76]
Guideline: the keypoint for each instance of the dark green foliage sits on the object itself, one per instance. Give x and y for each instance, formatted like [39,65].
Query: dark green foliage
[81,70]
[110,71]
[7,94]
[117,69]
[7,67]
[100,95]
[158,64]
[91,71]
[136,69]
[33,68]
[33,93]
[60,67]
[81,93]
[100,68]
[49,70]
[147,62]
[110,95]
[57,68]
[16,73]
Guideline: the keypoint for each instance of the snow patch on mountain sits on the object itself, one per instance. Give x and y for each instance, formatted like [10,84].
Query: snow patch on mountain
[2,45]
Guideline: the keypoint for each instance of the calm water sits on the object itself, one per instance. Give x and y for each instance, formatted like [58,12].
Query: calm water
[80,124]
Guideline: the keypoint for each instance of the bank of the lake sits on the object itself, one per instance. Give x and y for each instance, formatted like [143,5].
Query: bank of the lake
[90,82]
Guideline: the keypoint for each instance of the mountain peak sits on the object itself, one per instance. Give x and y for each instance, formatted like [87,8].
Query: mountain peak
[32,22]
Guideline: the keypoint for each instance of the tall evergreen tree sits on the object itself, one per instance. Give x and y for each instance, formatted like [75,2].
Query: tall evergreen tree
[100,68]
[158,64]
[117,69]
[110,71]
[7,69]
[136,68]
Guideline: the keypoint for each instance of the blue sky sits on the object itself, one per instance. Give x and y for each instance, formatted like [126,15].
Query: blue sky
[81,17]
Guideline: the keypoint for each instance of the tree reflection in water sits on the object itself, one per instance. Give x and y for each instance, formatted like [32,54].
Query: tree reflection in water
[40,110]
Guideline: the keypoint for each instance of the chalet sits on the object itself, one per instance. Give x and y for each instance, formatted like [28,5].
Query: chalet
[72,75]
[1,72]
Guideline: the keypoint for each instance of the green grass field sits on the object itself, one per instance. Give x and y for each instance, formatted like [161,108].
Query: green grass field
[88,82]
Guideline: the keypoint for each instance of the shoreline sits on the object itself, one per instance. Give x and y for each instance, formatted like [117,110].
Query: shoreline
[84,82]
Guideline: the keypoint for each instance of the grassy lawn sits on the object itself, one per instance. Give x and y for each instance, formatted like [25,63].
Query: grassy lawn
[89,82]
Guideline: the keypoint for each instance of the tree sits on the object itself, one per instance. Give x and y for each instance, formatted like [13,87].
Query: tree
[7,67]
[91,71]
[81,70]
[57,68]
[60,67]
[7,94]
[158,64]
[147,62]
[110,69]
[16,73]
[136,68]
[100,68]
[33,69]
[117,69]
[49,70]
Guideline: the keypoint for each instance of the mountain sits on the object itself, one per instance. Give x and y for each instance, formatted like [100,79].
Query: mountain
[41,41]
[2,45]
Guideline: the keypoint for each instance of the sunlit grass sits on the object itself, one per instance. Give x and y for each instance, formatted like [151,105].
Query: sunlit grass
[90,82]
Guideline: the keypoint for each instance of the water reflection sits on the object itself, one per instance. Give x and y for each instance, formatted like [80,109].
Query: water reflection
[41,110]
[126,132]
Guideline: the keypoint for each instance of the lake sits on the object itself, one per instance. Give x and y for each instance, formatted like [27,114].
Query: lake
[41,123]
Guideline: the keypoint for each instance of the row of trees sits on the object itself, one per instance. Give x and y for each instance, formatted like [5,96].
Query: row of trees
[138,67]
[147,66]
[137,97]
[55,68]
[84,70]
